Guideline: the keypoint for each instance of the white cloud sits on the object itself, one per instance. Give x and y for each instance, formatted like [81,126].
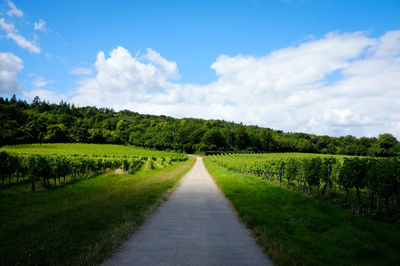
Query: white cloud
[124,79]
[40,25]
[45,95]
[6,26]
[12,33]
[340,84]
[169,69]
[81,71]
[39,81]
[14,11]
[10,65]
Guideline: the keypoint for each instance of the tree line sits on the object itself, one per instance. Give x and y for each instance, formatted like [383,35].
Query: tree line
[42,122]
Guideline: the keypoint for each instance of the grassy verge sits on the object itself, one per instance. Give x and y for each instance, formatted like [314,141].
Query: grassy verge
[81,223]
[294,229]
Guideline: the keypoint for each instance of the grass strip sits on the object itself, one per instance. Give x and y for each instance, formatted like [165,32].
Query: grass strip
[294,229]
[81,223]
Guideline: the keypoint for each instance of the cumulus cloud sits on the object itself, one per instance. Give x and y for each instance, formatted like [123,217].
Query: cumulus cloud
[13,34]
[14,11]
[81,71]
[40,25]
[124,80]
[169,69]
[342,83]
[10,65]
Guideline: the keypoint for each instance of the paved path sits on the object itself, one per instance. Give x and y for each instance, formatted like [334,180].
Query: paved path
[195,226]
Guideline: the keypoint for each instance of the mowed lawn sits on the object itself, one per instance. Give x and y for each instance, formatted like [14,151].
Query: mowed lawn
[294,229]
[80,223]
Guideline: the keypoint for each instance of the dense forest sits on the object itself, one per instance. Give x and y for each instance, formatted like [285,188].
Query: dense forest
[41,122]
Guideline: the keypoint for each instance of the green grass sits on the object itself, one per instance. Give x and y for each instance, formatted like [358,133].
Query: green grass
[85,149]
[81,223]
[294,229]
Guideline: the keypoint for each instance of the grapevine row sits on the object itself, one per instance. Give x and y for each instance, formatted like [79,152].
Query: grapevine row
[380,178]
[33,167]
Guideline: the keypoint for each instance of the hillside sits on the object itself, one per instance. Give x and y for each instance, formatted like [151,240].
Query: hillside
[41,122]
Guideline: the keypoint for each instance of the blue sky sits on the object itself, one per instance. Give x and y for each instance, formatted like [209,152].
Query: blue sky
[192,36]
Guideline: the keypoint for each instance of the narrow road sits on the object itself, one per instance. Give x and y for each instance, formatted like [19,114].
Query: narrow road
[195,226]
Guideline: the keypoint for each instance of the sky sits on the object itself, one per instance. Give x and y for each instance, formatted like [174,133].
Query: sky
[322,67]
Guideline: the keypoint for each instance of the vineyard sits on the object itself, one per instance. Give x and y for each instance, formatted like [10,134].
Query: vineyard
[70,162]
[375,182]
[88,198]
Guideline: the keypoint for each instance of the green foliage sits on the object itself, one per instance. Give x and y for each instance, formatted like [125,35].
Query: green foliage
[329,172]
[213,139]
[81,223]
[55,133]
[292,169]
[313,172]
[387,145]
[42,122]
[71,162]
[3,165]
[149,164]
[295,229]
[380,176]
[352,174]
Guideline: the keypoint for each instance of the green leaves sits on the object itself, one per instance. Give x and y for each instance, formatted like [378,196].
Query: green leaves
[40,166]
[313,171]
[380,176]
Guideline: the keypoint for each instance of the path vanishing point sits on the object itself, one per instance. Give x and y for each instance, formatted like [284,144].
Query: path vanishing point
[195,226]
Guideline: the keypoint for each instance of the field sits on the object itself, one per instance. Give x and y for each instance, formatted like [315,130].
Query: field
[86,149]
[296,229]
[84,220]
[304,209]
